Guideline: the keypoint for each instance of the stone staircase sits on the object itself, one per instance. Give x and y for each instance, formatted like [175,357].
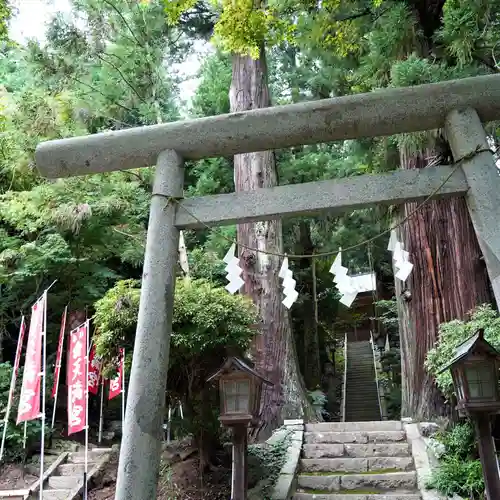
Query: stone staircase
[356,461]
[361,396]
[65,479]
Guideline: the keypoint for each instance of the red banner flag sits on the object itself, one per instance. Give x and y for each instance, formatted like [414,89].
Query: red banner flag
[77,379]
[94,371]
[29,401]
[116,384]
[57,370]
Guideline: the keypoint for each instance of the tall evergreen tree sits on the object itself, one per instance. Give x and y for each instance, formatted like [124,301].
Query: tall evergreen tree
[242,28]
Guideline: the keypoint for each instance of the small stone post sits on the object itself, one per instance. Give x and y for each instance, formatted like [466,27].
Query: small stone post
[142,432]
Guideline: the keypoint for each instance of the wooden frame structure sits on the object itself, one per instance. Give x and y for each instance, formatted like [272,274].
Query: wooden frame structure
[458,106]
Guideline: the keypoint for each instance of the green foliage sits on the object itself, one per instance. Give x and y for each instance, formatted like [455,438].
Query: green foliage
[266,462]
[468,30]
[390,380]
[387,315]
[452,334]
[459,441]
[339,360]
[212,94]
[206,319]
[459,471]
[458,477]
[15,433]
[5,14]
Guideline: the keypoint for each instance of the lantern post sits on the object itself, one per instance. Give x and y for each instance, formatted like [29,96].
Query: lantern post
[474,369]
[240,388]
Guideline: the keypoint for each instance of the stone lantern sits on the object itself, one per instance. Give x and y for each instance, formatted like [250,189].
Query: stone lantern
[474,369]
[240,388]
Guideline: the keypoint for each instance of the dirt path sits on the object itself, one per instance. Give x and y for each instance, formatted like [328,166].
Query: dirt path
[13,477]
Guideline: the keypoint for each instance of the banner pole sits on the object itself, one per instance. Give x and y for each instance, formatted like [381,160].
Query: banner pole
[168,423]
[59,364]
[123,388]
[12,384]
[85,486]
[24,435]
[44,379]
[101,413]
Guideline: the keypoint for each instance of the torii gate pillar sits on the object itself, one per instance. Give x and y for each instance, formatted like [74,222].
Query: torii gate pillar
[465,134]
[140,449]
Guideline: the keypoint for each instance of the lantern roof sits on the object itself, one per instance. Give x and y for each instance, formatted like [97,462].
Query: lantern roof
[473,344]
[234,363]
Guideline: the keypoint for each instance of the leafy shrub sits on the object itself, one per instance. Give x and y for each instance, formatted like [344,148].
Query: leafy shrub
[207,322]
[452,334]
[455,332]
[390,380]
[267,461]
[458,477]
[459,471]
[460,441]
[387,315]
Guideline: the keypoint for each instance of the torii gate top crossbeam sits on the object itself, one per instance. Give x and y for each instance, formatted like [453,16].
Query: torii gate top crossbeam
[379,113]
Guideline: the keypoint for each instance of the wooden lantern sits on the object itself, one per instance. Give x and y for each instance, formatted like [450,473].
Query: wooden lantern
[240,389]
[474,369]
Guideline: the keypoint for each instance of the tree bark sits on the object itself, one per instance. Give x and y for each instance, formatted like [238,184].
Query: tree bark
[273,350]
[448,280]
[311,368]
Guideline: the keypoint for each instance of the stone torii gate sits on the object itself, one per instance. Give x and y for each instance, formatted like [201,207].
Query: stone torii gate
[459,106]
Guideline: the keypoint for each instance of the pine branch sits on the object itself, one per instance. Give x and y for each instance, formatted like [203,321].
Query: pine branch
[363,13]
[122,17]
[134,90]
[101,93]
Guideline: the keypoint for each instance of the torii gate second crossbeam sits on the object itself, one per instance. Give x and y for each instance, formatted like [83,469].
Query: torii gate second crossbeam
[458,106]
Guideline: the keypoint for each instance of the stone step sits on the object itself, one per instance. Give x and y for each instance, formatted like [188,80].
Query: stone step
[64,482]
[357,402]
[78,457]
[386,425]
[55,494]
[346,464]
[377,483]
[356,450]
[354,437]
[354,496]
[71,469]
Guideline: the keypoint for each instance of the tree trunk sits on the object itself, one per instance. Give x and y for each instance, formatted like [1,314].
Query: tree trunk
[448,280]
[308,310]
[273,350]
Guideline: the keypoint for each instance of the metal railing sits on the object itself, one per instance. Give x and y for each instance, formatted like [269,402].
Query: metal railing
[344,384]
[375,368]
